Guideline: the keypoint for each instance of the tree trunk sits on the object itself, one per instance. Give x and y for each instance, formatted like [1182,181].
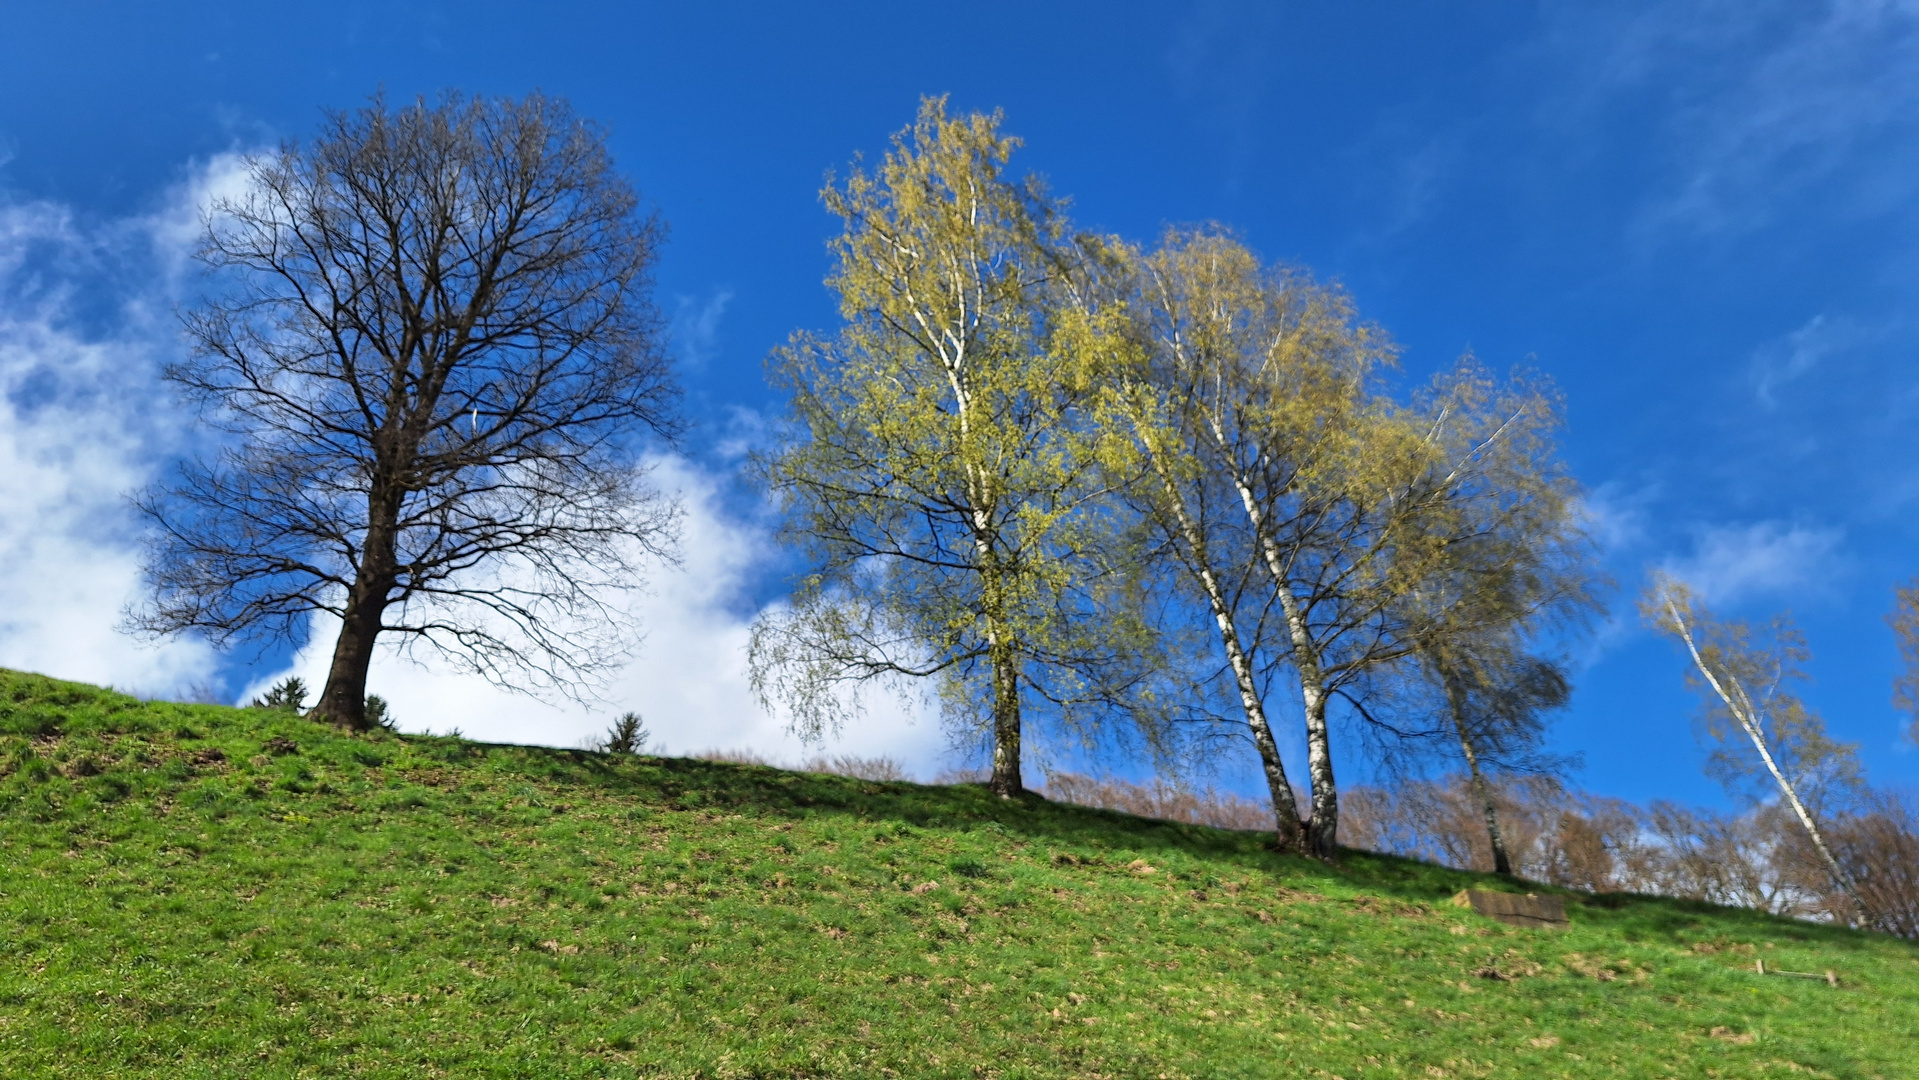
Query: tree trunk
[1481,790]
[1006,781]
[1285,810]
[1502,864]
[1004,659]
[343,702]
[1322,830]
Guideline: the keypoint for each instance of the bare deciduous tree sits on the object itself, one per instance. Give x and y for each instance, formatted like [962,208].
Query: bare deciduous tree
[1759,858]
[1566,837]
[1879,847]
[433,353]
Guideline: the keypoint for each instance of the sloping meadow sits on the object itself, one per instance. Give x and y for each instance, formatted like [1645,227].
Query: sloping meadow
[196,891]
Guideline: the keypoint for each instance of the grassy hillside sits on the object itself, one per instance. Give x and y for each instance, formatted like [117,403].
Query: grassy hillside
[191,891]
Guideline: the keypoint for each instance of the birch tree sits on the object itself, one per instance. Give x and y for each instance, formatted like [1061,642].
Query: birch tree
[1256,391]
[1904,621]
[1495,697]
[1516,573]
[1247,379]
[1757,726]
[942,478]
[1379,515]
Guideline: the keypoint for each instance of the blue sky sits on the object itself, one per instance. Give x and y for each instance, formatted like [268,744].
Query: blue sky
[1698,217]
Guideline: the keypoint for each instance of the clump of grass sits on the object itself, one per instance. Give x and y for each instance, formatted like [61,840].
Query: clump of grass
[881,769]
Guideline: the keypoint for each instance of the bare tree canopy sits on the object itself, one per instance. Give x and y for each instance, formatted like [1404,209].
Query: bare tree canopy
[432,350]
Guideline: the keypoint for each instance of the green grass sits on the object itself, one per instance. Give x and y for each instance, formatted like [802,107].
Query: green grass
[184,896]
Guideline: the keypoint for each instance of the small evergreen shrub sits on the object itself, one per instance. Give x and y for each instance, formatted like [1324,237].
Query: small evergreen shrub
[628,735]
[287,695]
[379,714]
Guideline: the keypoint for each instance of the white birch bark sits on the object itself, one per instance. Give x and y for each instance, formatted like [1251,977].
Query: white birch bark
[1747,717]
[1285,810]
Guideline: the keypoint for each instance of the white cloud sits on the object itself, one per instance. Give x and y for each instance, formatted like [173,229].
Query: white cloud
[1615,517]
[1733,563]
[175,227]
[688,679]
[83,420]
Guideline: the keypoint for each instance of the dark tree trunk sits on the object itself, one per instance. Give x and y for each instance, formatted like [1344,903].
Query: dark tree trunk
[1006,782]
[343,701]
[1501,863]
[1481,790]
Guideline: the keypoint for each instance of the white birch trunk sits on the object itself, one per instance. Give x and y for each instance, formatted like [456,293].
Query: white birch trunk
[1748,719]
[1285,810]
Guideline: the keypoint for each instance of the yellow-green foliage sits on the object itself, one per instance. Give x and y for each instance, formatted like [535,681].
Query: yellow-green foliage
[941,473]
[193,891]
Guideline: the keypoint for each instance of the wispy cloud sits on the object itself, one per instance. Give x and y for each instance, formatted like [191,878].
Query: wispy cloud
[1220,60]
[1729,564]
[1779,362]
[1756,101]
[1615,516]
[695,327]
[742,431]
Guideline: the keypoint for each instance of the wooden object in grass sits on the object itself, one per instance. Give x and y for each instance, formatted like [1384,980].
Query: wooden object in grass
[1760,966]
[1513,909]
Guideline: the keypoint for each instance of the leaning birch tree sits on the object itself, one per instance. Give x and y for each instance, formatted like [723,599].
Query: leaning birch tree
[1495,695]
[1238,369]
[1748,702]
[942,478]
[1379,516]
[1516,572]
